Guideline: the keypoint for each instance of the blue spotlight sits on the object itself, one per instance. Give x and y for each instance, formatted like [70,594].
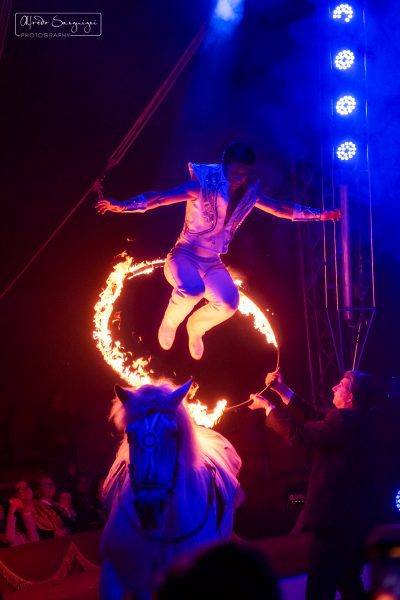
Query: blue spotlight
[346,150]
[345,105]
[343,12]
[398,500]
[229,10]
[344,60]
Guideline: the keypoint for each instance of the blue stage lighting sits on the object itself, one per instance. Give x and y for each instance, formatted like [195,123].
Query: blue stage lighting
[345,105]
[229,10]
[344,60]
[398,500]
[346,150]
[343,12]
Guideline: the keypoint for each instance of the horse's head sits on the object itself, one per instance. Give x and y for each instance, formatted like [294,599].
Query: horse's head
[154,430]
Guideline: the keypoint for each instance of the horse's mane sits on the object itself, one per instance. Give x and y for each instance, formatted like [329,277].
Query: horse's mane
[149,398]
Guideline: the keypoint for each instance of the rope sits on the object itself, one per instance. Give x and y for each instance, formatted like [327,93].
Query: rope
[121,149]
[262,391]
[155,102]
[46,243]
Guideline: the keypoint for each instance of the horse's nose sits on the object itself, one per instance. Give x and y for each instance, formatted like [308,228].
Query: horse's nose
[149,508]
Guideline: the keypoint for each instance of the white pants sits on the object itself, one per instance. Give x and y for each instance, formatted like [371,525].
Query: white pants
[194,278]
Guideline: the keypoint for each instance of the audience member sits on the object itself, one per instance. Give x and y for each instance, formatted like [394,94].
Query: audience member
[65,508]
[20,524]
[49,522]
[229,571]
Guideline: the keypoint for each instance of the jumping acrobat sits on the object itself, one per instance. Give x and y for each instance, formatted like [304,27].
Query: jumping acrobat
[218,199]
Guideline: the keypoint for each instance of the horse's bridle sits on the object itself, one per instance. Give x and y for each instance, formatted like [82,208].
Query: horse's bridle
[150,441]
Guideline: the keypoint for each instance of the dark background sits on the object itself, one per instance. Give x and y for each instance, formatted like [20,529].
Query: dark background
[66,104]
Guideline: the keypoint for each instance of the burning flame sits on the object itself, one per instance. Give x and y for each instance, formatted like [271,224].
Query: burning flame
[200,414]
[137,372]
[260,322]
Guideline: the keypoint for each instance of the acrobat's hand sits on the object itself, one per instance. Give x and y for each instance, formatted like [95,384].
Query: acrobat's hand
[259,401]
[15,504]
[104,205]
[332,214]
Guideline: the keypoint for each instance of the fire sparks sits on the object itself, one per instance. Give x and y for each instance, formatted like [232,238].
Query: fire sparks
[137,372]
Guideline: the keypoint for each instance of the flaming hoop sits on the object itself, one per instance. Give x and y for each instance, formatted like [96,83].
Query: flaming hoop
[137,371]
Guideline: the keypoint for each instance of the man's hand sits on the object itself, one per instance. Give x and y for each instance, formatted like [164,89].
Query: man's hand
[102,206]
[260,402]
[276,382]
[15,504]
[333,214]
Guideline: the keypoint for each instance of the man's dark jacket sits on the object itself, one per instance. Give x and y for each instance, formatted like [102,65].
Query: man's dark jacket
[339,494]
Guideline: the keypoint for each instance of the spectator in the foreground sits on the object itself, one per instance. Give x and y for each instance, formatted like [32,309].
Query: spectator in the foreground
[20,523]
[227,571]
[49,522]
[338,503]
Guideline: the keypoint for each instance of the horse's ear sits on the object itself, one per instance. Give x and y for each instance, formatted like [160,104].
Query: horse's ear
[121,393]
[178,395]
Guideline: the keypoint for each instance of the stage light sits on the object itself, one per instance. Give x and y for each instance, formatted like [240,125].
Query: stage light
[345,105]
[398,500]
[229,10]
[346,150]
[343,12]
[344,60]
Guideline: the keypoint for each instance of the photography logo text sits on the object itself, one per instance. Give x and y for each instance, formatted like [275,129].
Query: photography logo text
[58,25]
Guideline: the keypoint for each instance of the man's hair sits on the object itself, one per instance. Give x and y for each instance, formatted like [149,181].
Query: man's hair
[361,388]
[239,152]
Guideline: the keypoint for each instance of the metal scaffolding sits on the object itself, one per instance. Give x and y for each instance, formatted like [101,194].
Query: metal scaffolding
[337,262]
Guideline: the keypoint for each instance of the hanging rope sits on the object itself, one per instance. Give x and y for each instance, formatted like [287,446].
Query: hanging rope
[46,243]
[121,149]
[155,102]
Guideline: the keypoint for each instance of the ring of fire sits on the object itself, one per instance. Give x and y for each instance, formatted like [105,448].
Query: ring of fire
[137,371]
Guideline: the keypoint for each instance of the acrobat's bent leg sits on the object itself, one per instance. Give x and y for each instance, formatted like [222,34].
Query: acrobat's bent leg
[183,274]
[223,301]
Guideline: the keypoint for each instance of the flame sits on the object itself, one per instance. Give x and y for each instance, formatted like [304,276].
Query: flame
[200,414]
[260,322]
[137,372]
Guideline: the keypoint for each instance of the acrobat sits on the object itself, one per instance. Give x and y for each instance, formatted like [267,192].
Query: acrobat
[218,198]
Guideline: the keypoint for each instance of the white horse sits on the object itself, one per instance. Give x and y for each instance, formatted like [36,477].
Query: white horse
[172,488]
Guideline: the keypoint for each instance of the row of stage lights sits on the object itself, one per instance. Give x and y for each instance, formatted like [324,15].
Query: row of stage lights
[343,61]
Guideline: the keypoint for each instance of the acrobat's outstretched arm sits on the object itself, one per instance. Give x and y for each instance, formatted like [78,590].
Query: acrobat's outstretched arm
[295,212]
[150,200]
